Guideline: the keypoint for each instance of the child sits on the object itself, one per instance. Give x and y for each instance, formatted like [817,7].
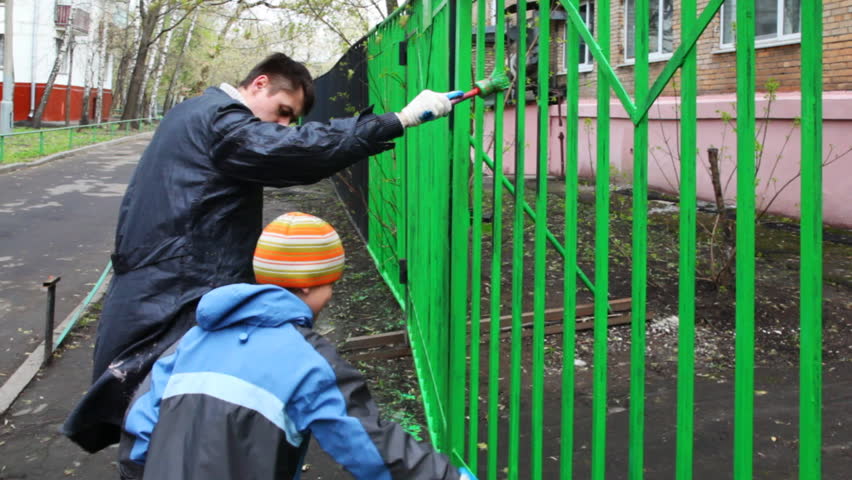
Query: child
[239,395]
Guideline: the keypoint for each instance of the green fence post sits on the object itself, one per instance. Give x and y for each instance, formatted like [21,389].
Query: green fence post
[744,344]
[686,285]
[518,247]
[640,249]
[2,148]
[460,218]
[810,362]
[540,252]
[496,253]
[599,394]
[569,320]
[476,249]
[41,142]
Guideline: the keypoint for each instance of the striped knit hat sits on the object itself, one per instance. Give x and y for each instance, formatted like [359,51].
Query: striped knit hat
[298,250]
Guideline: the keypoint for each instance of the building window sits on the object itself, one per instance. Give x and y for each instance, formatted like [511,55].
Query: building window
[660,31]
[587,13]
[2,49]
[776,21]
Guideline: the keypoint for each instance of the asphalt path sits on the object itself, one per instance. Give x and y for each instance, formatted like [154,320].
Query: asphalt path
[57,219]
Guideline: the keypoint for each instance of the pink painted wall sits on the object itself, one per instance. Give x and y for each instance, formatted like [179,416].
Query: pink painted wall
[779,165]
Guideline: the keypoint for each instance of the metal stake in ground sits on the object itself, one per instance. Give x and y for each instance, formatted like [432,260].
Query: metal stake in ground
[50,283]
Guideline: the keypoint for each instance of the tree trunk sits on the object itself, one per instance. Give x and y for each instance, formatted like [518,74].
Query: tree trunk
[89,77]
[70,72]
[137,78]
[153,54]
[60,59]
[102,68]
[169,101]
[158,73]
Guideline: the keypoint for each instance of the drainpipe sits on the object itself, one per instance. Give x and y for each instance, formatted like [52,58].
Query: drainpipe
[33,61]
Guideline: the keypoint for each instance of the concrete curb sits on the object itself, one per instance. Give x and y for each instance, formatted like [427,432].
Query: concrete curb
[56,156]
[22,377]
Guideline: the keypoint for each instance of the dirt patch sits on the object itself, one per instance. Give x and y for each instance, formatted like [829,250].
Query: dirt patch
[776,344]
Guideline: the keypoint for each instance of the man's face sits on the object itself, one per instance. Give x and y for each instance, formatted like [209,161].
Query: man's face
[282,107]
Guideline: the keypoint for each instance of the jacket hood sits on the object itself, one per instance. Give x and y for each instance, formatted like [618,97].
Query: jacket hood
[263,306]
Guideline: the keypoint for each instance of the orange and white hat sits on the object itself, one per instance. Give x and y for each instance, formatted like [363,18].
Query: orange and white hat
[298,250]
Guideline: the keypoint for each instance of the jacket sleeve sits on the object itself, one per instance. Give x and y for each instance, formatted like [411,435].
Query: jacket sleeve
[246,148]
[335,405]
[143,414]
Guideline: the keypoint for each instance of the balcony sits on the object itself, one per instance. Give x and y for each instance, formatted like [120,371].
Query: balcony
[80,22]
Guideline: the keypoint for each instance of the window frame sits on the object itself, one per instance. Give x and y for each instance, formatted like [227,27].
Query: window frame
[588,64]
[653,55]
[777,40]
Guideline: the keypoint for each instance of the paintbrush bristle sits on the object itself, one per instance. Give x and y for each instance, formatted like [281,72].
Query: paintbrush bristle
[496,82]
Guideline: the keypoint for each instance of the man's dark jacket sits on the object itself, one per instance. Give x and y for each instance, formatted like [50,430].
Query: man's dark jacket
[189,223]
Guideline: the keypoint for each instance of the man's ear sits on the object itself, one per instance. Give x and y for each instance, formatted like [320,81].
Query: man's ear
[260,82]
[305,290]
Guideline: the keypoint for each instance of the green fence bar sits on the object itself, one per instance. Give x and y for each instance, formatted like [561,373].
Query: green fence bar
[427,207]
[496,252]
[744,348]
[810,363]
[540,253]
[599,394]
[476,248]
[569,302]
[518,248]
[640,250]
[460,230]
[686,257]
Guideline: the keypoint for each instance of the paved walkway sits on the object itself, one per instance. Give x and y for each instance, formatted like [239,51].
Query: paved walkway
[57,218]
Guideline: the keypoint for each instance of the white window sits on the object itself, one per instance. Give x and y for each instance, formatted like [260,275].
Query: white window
[776,21]
[587,13]
[660,31]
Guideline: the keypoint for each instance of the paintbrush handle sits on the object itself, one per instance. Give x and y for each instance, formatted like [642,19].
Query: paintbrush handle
[467,94]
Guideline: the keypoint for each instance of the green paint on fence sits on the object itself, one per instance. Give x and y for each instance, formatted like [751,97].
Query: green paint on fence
[429,205]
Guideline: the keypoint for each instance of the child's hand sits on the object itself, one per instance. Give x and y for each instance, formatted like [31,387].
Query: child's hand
[466,474]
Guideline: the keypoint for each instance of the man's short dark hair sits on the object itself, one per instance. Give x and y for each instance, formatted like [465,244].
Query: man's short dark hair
[284,74]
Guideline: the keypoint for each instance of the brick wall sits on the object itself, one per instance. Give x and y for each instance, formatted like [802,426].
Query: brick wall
[717,66]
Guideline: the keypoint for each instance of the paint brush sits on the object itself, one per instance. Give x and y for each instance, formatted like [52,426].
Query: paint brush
[498,81]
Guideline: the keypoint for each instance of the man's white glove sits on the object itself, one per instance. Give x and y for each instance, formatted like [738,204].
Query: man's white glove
[427,105]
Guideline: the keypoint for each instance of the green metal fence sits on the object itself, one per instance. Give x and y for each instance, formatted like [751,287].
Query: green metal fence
[437,228]
[20,146]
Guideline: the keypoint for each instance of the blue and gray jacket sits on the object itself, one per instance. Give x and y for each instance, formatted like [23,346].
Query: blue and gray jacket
[239,395]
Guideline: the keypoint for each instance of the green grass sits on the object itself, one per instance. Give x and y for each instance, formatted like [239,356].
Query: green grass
[27,144]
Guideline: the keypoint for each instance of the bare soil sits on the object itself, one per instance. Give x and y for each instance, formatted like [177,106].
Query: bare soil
[363,305]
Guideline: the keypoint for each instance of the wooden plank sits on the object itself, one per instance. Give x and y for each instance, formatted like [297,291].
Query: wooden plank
[373,341]
[556,314]
[551,315]
[383,353]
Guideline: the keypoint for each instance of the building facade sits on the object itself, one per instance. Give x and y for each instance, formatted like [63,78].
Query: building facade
[778,83]
[39,27]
